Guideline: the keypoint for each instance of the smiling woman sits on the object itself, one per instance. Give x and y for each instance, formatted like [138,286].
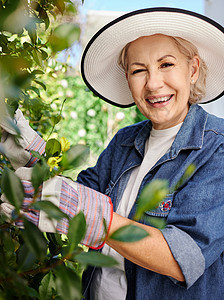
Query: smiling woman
[159,77]
[165,61]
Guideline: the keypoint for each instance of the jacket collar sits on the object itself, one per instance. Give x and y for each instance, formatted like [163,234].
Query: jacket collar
[190,135]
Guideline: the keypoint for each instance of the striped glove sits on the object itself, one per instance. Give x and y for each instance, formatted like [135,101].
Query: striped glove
[71,197]
[17,148]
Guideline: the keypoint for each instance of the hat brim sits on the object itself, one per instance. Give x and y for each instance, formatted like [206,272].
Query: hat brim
[105,77]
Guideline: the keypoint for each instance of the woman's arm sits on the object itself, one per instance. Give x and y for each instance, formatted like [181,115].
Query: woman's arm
[152,252]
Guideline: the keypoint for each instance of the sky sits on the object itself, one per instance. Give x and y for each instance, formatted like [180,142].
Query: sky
[129,5]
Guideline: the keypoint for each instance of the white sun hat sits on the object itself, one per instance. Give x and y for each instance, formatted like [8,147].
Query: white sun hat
[106,78]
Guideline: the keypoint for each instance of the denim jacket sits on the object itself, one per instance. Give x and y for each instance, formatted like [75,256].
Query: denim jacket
[194,212]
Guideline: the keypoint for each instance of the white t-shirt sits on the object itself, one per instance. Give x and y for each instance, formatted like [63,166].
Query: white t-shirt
[111,283]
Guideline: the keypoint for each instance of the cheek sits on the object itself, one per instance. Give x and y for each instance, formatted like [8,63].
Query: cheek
[136,85]
[179,83]
[133,86]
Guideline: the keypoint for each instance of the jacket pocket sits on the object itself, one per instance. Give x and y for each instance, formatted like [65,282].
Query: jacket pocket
[163,208]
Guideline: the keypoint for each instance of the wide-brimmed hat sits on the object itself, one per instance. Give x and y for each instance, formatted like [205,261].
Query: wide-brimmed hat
[106,78]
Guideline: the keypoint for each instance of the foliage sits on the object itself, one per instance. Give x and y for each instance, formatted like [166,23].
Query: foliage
[44,266]
[85,119]
[30,37]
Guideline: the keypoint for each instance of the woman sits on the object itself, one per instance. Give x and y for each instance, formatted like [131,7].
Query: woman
[158,59]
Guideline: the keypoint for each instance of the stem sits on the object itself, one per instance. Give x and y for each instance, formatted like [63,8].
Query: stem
[60,112]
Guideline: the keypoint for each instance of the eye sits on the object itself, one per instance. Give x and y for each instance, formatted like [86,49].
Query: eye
[138,71]
[167,65]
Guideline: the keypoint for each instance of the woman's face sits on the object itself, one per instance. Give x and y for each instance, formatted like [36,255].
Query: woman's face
[159,77]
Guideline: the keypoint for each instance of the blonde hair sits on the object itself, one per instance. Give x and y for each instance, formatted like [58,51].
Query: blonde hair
[197,90]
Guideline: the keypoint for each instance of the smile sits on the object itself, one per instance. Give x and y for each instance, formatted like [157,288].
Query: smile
[159,99]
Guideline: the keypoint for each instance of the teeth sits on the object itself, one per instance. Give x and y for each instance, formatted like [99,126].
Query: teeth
[161,99]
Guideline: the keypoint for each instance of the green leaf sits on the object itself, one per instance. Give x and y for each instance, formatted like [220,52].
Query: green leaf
[10,124]
[76,230]
[55,243]
[37,72]
[44,16]
[60,5]
[33,35]
[12,187]
[151,196]
[37,56]
[32,292]
[35,89]
[26,258]
[50,209]
[34,240]
[27,46]
[55,238]
[75,157]
[46,287]
[187,174]
[68,283]
[44,54]
[156,222]
[6,116]
[97,259]
[129,233]
[56,119]
[53,148]
[39,172]
[64,36]
[41,84]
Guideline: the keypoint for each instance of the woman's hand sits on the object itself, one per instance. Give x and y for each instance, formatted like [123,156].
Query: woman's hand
[17,147]
[71,197]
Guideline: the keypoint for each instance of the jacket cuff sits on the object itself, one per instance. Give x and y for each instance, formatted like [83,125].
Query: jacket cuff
[187,254]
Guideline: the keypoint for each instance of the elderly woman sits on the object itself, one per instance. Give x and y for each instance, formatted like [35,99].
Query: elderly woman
[165,61]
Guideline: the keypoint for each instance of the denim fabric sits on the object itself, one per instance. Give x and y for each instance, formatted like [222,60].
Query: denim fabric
[194,213]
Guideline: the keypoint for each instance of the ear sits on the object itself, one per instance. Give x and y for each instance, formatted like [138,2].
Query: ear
[195,65]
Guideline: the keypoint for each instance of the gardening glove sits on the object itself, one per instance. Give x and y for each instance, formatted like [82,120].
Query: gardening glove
[17,147]
[71,197]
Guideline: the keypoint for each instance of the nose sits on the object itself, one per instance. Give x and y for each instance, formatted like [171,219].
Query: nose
[154,81]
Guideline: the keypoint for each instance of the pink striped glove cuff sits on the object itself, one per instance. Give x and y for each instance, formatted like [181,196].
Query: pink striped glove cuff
[31,214]
[96,207]
[38,145]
